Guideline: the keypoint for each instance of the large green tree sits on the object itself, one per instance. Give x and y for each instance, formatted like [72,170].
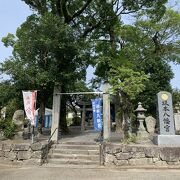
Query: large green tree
[45,53]
[52,46]
[150,46]
[147,46]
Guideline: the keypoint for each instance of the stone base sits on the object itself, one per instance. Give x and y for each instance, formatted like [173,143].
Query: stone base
[24,153]
[19,135]
[167,140]
[143,134]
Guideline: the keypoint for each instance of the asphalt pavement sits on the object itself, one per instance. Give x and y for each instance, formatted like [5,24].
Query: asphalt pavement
[85,173]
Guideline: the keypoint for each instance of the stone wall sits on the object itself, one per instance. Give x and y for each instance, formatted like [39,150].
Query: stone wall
[27,154]
[139,155]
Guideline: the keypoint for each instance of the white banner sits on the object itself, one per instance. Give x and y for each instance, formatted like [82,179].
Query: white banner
[29,98]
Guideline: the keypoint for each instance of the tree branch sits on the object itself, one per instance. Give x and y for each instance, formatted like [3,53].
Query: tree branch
[82,9]
[68,17]
[65,11]
[132,11]
[58,7]
[40,5]
[90,29]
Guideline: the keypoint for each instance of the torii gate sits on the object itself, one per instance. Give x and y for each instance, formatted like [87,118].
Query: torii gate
[57,107]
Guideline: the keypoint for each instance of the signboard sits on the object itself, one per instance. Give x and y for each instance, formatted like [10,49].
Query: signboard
[165,110]
[29,98]
[177,121]
[97,113]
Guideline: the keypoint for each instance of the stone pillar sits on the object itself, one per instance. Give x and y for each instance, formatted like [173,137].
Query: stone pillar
[56,114]
[83,118]
[106,113]
[165,111]
[167,135]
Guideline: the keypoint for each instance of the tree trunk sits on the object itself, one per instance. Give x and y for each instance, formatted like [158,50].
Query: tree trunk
[41,112]
[126,112]
[118,114]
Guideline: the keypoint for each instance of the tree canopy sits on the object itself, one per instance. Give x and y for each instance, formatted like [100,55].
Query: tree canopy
[56,44]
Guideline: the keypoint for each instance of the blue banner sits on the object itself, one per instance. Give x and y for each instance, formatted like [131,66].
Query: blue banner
[97,113]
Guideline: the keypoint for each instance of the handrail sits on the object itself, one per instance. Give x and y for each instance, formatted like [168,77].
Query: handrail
[100,148]
[52,135]
[47,149]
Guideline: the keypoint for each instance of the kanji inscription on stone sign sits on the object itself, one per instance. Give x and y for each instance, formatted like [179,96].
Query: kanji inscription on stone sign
[165,110]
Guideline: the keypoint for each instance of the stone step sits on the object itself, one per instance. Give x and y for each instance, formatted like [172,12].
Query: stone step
[75,151]
[74,166]
[72,161]
[5,161]
[75,146]
[79,143]
[73,156]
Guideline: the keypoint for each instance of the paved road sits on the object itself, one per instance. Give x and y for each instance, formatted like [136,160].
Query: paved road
[75,173]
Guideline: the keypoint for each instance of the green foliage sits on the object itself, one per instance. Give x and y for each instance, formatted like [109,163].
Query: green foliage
[11,107]
[127,81]
[76,121]
[161,37]
[160,74]
[9,40]
[69,121]
[139,52]
[57,43]
[130,139]
[46,51]
[149,46]
[176,97]
[7,92]
[8,128]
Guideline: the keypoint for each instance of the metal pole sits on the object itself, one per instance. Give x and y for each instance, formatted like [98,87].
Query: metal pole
[29,129]
[32,134]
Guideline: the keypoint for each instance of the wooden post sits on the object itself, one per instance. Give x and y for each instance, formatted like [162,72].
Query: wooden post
[106,113]
[56,113]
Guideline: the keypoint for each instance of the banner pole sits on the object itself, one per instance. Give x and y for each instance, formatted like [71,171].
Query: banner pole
[32,134]
[29,99]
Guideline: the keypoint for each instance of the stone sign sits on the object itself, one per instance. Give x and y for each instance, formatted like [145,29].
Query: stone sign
[150,124]
[165,110]
[177,121]
[18,119]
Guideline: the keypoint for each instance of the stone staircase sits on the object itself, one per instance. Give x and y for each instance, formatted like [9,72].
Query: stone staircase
[74,153]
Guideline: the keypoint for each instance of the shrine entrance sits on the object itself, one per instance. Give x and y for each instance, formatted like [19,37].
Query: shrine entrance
[85,107]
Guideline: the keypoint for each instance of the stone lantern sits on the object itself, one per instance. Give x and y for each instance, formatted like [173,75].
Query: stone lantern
[141,117]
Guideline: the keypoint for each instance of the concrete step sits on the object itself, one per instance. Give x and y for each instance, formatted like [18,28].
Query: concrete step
[79,143]
[74,166]
[6,162]
[75,151]
[72,161]
[75,146]
[73,156]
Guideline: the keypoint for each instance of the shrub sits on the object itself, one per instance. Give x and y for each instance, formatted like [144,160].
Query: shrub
[8,128]
[130,139]
[76,121]
[11,107]
[69,121]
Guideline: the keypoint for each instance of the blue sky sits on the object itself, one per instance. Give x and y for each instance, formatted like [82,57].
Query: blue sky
[14,12]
